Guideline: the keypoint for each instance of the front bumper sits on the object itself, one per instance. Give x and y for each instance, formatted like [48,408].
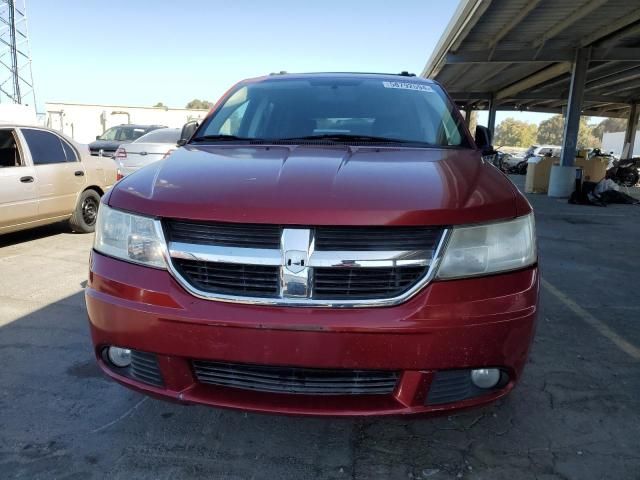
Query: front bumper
[471,323]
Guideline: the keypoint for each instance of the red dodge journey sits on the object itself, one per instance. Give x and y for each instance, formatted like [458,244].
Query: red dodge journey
[321,244]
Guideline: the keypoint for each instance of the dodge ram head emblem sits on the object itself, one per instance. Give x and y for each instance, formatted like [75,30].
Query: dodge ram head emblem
[295,260]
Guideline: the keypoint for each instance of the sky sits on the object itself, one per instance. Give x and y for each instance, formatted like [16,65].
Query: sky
[143,52]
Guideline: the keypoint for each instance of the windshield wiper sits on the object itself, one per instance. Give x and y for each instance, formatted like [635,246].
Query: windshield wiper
[345,137]
[223,138]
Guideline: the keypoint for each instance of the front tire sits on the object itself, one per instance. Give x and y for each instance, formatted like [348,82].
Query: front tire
[84,216]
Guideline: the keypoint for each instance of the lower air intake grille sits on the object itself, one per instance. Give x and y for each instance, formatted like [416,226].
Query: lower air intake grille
[364,283]
[292,380]
[456,385]
[144,367]
[230,278]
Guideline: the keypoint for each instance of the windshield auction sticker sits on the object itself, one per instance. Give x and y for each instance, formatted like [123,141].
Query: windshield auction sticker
[408,86]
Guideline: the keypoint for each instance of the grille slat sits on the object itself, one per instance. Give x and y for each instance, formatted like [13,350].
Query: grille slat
[294,380]
[451,386]
[298,384]
[225,234]
[377,238]
[350,283]
[224,277]
[230,278]
[144,367]
[268,378]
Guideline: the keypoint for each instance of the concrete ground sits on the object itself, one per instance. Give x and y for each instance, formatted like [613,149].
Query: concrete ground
[574,416]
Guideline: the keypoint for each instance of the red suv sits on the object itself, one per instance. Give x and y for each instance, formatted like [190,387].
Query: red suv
[323,244]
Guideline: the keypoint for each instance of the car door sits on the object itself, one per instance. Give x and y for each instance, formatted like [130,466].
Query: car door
[60,177]
[18,192]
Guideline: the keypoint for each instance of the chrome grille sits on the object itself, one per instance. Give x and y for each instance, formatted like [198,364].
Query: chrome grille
[292,380]
[105,153]
[230,278]
[322,266]
[363,283]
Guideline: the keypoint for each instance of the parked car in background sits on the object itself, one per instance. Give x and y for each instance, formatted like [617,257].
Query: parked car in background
[517,164]
[322,244]
[543,151]
[46,177]
[106,144]
[147,149]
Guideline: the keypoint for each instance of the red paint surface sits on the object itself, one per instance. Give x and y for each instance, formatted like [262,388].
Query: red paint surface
[454,324]
[312,185]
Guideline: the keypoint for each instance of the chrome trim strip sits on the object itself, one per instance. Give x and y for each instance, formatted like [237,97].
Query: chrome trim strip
[321,258]
[366,259]
[309,302]
[217,253]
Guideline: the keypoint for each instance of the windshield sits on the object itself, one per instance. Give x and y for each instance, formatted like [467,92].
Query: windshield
[162,135]
[122,133]
[337,109]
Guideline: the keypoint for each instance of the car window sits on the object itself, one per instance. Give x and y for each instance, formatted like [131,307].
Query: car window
[45,147]
[162,135]
[9,151]
[109,134]
[69,152]
[404,111]
[231,126]
[130,134]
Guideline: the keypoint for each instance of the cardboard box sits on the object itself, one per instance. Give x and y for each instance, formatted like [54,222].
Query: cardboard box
[594,169]
[538,174]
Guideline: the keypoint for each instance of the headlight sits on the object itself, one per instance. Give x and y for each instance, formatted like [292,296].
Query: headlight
[133,238]
[485,249]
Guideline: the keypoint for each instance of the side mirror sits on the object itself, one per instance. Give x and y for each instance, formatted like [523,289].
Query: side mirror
[188,129]
[483,140]
[97,137]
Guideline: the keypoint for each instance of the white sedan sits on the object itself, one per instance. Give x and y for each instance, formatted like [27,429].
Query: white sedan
[147,149]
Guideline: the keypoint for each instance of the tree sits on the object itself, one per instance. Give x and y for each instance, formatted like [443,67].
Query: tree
[159,105]
[196,104]
[515,133]
[550,132]
[609,125]
[586,138]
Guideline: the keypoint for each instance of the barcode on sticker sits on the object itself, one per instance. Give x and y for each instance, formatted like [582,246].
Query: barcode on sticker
[408,86]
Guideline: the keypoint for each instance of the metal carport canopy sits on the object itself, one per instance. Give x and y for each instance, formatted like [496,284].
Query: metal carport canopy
[519,54]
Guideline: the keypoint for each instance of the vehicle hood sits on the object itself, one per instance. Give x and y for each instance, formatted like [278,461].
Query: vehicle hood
[320,185]
[105,144]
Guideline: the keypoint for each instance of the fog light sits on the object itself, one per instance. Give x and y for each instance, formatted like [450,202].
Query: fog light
[120,357]
[485,377]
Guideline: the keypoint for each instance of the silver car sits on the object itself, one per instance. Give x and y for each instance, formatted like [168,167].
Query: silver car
[147,149]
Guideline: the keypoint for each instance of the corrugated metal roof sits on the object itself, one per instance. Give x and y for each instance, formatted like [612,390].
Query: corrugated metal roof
[490,48]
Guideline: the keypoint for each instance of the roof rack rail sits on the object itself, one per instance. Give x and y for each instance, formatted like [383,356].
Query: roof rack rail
[404,73]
